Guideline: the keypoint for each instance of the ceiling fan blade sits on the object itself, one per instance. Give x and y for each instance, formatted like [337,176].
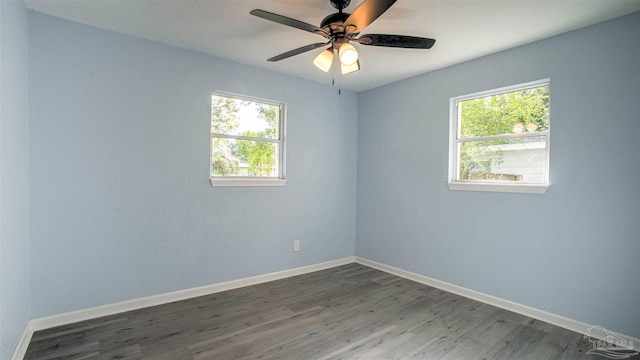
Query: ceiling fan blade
[397,41]
[289,22]
[297,51]
[365,14]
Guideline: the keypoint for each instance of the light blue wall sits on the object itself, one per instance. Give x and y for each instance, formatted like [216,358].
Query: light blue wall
[119,151]
[14,175]
[574,251]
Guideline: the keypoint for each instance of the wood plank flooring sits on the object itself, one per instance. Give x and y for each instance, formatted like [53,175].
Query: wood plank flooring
[347,312]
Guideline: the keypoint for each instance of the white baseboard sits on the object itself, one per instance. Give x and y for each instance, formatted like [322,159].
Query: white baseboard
[115,308]
[124,306]
[558,320]
[23,343]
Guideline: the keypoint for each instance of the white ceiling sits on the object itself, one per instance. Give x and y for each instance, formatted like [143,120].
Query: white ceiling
[463,29]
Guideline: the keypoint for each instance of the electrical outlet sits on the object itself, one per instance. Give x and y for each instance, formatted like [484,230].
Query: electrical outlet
[296,245]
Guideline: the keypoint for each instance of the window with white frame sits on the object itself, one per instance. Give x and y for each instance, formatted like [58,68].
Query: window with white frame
[247,142]
[499,139]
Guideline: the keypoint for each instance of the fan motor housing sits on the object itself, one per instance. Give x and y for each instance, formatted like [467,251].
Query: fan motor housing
[334,23]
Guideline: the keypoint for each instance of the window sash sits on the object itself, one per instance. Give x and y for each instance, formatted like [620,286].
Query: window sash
[250,138]
[504,137]
[508,147]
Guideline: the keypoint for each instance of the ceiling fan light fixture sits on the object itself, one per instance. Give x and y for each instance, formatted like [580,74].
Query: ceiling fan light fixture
[324,60]
[347,69]
[348,54]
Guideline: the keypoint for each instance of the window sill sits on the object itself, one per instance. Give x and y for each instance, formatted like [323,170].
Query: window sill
[511,188]
[225,182]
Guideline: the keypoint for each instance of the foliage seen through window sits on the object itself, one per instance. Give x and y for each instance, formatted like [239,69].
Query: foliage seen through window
[245,138]
[502,136]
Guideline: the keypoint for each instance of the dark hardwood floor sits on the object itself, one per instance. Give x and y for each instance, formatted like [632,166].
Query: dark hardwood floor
[347,312]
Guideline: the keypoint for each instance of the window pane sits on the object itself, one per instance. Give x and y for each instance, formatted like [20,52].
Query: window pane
[230,157]
[238,117]
[514,160]
[516,112]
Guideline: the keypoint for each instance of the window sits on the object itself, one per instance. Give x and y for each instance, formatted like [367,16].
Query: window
[500,140]
[247,146]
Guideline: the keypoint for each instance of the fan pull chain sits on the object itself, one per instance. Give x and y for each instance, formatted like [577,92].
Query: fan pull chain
[333,77]
[339,82]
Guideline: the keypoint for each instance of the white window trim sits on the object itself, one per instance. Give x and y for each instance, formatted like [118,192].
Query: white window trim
[494,186]
[244,181]
[498,187]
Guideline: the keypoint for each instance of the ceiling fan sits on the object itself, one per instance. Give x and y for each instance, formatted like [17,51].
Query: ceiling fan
[340,29]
